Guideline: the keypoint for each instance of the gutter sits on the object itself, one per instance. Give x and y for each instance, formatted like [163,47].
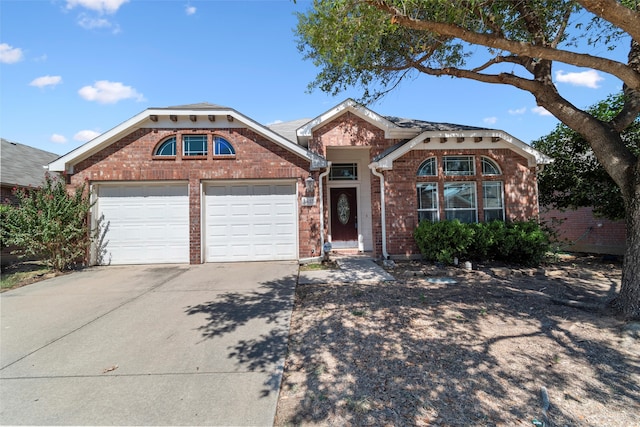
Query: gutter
[383,216]
[321,197]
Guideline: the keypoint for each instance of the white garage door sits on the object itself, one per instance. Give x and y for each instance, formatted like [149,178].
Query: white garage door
[145,223]
[251,222]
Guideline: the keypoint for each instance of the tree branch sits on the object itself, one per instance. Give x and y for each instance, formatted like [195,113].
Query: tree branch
[618,69]
[619,15]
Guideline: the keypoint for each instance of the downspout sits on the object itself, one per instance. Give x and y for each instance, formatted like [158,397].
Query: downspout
[321,196]
[383,216]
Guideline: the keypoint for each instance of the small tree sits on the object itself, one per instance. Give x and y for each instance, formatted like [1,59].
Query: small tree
[49,223]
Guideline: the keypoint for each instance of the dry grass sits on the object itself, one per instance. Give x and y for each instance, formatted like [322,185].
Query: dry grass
[476,352]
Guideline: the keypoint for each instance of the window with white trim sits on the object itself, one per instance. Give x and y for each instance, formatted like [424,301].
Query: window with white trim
[493,201]
[343,172]
[428,202]
[489,167]
[429,167]
[167,148]
[194,145]
[460,201]
[459,165]
[222,147]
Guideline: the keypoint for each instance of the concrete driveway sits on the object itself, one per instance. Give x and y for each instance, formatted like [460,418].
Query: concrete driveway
[147,345]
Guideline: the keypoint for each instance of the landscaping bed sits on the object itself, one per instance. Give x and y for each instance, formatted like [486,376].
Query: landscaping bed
[444,346]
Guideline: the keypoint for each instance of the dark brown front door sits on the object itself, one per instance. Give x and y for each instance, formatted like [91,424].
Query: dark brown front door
[344,215]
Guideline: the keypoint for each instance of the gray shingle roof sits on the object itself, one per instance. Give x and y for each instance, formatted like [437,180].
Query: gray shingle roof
[197,106]
[288,129]
[22,165]
[424,126]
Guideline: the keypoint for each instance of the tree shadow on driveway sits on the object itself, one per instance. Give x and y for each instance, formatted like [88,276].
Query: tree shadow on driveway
[266,313]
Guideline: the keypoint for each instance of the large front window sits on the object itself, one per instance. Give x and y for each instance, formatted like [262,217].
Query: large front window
[460,201]
[460,190]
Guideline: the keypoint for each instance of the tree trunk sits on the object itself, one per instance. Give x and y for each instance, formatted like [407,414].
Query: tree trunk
[627,303]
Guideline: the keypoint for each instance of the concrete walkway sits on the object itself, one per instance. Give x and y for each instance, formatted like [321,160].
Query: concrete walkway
[147,345]
[358,269]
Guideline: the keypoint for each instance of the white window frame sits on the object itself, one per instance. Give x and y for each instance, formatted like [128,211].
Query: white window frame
[448,161]
[486,184]
[434,208]
[454,209]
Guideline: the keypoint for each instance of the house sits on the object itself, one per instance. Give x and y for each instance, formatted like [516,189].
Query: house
[205,183]
[21,166]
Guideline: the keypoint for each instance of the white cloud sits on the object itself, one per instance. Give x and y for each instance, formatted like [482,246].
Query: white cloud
[106,92]
[490,120]
[589,78]
[10,54]
[541,111]
[85,135]
[190,10]
[46,81]
[102,6]
[518,111]
[58,139]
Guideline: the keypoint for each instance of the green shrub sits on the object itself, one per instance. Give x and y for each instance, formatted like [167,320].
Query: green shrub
[49,223]
[523,242]
[444,240]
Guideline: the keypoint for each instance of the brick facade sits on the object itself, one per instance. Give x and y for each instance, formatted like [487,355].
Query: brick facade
[131,159]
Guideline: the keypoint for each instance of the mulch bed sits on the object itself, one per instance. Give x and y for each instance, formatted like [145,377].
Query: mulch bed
[421,351]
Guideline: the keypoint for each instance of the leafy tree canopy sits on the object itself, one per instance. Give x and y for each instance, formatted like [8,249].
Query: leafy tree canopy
[576,178]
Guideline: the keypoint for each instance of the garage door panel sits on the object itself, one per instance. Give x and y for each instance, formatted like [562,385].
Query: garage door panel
[147,223]
[260,222]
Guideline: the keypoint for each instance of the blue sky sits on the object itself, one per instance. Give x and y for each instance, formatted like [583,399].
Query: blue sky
[72,69]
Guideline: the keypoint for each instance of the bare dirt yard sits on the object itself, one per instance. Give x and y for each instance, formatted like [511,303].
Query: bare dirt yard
[450,347]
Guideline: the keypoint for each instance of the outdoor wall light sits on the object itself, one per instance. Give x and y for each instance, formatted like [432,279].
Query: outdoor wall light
[309,184]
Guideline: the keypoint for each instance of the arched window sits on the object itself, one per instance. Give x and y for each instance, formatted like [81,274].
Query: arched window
[222,147]
[167,148]
[428,168]
[489,167]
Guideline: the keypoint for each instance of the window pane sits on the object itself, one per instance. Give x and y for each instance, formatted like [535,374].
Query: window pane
[194,145]
[167,148]
[459,165]
[428,168]
[489,167]
[222,147]
[492,200]
[344,171]
[460,195]
[460,201]
[427,196]
[428,202]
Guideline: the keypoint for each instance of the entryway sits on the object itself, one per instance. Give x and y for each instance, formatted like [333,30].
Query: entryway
[344,218]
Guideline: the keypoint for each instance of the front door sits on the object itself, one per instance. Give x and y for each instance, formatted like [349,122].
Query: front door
[344,215]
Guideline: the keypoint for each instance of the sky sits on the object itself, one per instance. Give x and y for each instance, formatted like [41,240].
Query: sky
[73,69]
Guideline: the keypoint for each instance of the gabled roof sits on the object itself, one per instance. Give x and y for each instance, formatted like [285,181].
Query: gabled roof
[22,165]
[288,129]
[192,116]
[412,132]
[469,139]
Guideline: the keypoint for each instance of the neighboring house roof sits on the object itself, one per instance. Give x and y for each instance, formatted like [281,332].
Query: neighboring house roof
[192,116]
[22,165]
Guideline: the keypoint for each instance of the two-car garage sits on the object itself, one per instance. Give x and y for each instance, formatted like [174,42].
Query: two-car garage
[145,223]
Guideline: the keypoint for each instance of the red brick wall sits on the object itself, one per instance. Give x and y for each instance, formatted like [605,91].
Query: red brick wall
[520,191]
[350,130]
[131,159]
[579,231]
